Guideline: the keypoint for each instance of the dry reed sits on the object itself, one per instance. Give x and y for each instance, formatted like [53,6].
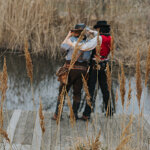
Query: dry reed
[98,47]
[108,77]
[72,117]
[77,47]
[147,67]
[116,95]
[60,107]
[29,65]
[124,141]
[126,136]
[1,117]
[96,143]
[88,144]
[51,23]
[129,94]
[126,130]
[88,97]
[138,79]
[122,85]
[4,134]
[41,116]
[4,81]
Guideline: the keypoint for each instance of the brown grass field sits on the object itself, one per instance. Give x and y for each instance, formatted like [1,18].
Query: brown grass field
[45,23]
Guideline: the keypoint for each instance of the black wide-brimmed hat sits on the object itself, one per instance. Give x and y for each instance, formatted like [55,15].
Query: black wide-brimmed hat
[79,27]
[100,24]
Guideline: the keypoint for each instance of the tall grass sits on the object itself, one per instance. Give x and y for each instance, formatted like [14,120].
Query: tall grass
[45,23]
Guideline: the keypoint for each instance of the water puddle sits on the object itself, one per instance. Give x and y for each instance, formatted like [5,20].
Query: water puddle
[45,84]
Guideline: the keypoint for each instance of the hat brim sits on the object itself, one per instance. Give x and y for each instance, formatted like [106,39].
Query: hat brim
[78,30]
[100,26]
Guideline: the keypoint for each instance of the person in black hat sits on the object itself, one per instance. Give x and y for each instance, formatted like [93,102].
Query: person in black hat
[75,74]
[101,56]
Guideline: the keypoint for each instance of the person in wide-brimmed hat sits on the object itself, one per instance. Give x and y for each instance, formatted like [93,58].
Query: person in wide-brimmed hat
[75,74]
[101,55]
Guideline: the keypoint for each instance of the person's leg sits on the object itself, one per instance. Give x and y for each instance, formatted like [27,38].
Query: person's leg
[77,86]
[91,85]
[104,89]
[70,81]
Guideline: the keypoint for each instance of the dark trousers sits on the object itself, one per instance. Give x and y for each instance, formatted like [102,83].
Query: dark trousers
[102,81]
[75,80]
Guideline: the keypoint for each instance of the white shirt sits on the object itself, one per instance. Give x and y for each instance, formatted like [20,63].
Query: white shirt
[89,45]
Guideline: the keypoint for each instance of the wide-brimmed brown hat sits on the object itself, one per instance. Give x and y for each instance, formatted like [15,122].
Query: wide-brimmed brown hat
[79,27]
[100,24]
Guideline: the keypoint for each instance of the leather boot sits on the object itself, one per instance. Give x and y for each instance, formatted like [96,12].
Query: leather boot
[75,108]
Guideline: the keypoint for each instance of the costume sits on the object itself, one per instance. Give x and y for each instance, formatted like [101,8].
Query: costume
[99,74]
[75,75]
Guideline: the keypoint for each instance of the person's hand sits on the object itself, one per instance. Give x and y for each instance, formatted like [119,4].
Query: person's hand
[69,34]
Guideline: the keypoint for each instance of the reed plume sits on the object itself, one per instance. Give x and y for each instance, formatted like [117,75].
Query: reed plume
[60,107]
[96,143]
[147,67]
[108,77]
[129,94]
[122,85]
[126,130]
[4,134]
[1,116]
[98,46]
[85,86]
[124,141]
[88,144]
[72,117]
[29,65]
[41,116]
[138,79]
[4,81]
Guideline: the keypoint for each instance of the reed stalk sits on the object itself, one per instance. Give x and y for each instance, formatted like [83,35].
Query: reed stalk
[129,95]
[116,95]
[77,47]
[60,107]
[29,65]
[126,130]
[108,78]
[88,97]
[72,117]
[4,81]
[124,141]
[122,86]
[41,116]
[98,48]
[138,79]
[1,117]
[5,135]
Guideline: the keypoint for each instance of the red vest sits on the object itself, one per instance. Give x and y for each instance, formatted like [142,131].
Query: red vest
[105,46]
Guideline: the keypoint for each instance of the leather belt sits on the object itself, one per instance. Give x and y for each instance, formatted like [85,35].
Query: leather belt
[76,67]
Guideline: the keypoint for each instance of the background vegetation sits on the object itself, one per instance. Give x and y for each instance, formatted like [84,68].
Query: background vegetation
[45,23]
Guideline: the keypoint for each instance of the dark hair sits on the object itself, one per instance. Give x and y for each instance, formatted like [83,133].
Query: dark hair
[105,29]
